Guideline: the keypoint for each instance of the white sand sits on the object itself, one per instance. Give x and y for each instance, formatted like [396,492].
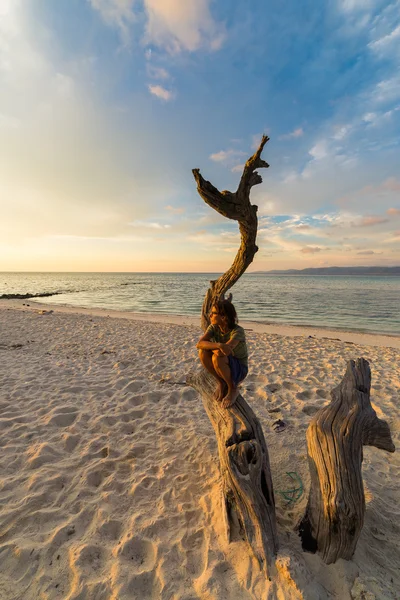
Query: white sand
[109,481]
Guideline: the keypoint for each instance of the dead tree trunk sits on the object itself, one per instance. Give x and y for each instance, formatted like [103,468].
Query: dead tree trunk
[335,512]
[247,485]
[249,506]
[236,206]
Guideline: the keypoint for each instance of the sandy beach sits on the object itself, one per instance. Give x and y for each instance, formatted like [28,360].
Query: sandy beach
[109,477]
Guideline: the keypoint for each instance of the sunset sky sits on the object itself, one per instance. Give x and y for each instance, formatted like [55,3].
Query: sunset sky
[107,105]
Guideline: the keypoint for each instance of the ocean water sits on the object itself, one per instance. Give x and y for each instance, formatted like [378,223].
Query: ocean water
[369,304]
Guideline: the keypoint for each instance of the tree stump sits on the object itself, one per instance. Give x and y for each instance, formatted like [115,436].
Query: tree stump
[248,496]
[335,511]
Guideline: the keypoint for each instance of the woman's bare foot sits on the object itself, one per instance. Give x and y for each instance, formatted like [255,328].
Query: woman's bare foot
[230,398]
[221,389]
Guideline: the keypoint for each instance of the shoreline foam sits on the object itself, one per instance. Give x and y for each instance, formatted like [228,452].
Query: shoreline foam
[348,336]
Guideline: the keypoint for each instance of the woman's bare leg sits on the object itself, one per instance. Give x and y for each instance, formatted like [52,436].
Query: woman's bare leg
[206,358]
[221,365]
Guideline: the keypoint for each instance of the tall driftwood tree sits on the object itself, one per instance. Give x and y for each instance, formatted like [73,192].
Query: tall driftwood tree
[249,503]
[335,438]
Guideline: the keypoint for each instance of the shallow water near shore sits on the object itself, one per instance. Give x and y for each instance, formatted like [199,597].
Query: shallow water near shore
[365,304]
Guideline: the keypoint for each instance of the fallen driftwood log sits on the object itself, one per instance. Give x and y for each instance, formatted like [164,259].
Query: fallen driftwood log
[246,478]
[335,511]
[247,484]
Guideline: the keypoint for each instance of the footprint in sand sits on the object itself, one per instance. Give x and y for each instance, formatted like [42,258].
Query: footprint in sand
[95,478]
[132,415]
[310,409]
[219,581]
[273,387]
[59,537]
[70,442]
[110,530]
[289,385]
[88,559]
[145,585]
[136,400]
[106,420]
[127,428]
[196,551]
[140,553]
[323,393]
[42,454]
[17,561]
[155,396]
[134,386]
[306,395]
[140,491]
[188,395]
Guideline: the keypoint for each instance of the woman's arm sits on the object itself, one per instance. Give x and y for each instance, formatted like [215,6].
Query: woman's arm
[205,344]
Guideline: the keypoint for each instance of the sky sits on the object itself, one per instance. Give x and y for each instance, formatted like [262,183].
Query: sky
[107,105]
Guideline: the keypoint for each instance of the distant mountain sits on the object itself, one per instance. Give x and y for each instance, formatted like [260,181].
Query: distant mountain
[394,271]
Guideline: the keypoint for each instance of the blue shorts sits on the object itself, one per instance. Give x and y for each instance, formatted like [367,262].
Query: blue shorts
[238,369]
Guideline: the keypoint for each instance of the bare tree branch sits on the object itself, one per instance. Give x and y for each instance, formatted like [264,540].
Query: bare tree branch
[236,206]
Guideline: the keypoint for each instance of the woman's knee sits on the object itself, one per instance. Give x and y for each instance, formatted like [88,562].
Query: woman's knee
[203,354]
[218,357]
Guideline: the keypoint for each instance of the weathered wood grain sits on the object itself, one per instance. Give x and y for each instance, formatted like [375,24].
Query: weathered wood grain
[245,471]
[335,437]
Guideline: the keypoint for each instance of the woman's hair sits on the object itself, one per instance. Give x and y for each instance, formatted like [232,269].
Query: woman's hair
[226,309]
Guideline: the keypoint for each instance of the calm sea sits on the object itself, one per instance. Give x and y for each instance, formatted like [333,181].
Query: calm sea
[370,304]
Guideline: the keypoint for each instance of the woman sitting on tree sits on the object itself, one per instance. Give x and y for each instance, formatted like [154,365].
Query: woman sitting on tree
[223,351]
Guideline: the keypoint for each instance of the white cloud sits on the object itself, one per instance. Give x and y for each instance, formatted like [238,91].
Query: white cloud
[387,42]
[370,221]
[210,241]
[310,250]
[175,25]
[349,6]
[369,117]
[182,25]
[175,210]
[238,168]
[161,92]
[290,176]
[393,212]
[228,158]
[341,131]
[319,150]
[157,72]
[117,13]
[149,225]
[302,227]
[387,90]
[296,133]
[221,156]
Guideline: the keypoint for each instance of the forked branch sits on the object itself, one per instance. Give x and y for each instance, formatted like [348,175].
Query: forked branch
[236,206]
